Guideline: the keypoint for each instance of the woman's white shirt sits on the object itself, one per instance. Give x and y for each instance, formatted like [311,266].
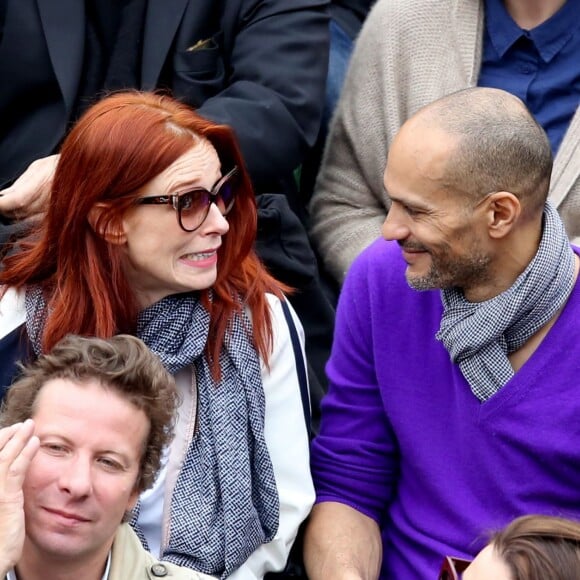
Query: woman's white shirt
[287,441]
[12,311]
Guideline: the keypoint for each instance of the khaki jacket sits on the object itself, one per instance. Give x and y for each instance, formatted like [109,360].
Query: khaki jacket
[130,561]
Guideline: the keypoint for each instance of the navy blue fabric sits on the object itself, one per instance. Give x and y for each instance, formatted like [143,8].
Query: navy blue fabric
[350,14]
[300,366]
[341,46]
[14,347]
[540,66]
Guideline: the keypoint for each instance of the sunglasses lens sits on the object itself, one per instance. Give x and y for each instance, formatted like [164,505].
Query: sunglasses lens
[193,208]
[226,197]
[452,568]
[194,205]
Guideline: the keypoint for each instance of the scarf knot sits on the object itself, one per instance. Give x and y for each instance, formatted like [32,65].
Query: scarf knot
[479,336]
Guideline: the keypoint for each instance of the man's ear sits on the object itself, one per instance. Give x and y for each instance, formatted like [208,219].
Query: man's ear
[503,211]
[111,231]
[131,503]
[133,499]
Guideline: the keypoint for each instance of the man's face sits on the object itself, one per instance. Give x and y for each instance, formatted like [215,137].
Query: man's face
[440,232]
[82,480]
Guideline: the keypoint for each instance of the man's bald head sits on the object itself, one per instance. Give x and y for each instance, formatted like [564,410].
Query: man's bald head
[498,145]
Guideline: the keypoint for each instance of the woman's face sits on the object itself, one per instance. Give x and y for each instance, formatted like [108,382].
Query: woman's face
[487,566]
[161,258]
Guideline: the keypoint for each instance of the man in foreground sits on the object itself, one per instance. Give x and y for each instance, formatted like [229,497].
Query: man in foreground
[83,433]
[453,410]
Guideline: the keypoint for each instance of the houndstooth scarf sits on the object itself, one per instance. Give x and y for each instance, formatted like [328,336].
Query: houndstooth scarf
[225,503]
[479,336]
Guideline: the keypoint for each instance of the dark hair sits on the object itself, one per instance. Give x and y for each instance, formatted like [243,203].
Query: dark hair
[118,146]
[539,547]
[123,364]
[500,145]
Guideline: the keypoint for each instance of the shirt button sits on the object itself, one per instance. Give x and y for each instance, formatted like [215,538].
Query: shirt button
[159,570]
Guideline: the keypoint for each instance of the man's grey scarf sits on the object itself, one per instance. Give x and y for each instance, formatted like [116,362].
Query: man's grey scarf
[225,503]
[479,336]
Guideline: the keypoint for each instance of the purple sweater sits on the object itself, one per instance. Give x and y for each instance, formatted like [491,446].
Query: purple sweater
[404,441]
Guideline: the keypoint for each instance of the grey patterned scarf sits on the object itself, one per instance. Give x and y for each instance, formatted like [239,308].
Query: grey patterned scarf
[479,336]
[225,503]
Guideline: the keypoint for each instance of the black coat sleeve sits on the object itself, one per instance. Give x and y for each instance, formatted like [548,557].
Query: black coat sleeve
[276,59]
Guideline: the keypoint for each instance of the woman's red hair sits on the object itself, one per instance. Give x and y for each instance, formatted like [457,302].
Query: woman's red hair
[119,145]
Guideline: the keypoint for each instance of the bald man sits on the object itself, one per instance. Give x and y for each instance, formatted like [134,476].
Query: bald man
[409,54]
[454,398]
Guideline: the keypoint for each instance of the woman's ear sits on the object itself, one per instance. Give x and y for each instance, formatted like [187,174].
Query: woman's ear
[504,209]
[111,231]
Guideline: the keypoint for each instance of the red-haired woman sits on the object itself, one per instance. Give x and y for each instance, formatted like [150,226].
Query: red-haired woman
[150,231]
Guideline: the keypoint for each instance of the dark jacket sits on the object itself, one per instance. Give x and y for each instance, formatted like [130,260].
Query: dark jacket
[259,66]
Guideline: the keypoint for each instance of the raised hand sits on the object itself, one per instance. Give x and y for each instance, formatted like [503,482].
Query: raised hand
[18,446]
[28,196]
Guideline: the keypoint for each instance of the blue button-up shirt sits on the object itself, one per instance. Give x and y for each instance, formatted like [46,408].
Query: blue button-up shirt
[541,66]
